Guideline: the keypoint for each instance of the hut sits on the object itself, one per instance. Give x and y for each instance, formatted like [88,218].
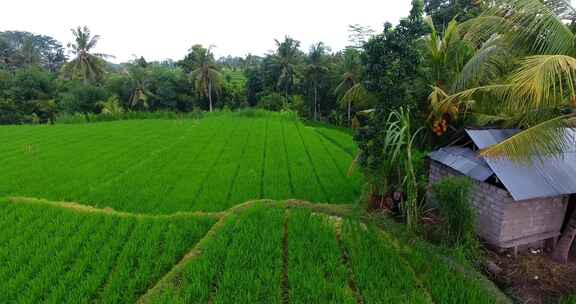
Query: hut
[518,205]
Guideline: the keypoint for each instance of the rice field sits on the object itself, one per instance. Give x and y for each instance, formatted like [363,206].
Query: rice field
[60,255]
[154,211]
[167,166]
[307,257]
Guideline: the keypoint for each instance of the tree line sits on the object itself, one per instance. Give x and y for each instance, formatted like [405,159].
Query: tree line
[41,79]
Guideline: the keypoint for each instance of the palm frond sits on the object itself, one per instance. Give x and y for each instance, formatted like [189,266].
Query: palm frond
[528,24]
[483,119]
[487,63]
[543,82]
[547,139]
[355,94]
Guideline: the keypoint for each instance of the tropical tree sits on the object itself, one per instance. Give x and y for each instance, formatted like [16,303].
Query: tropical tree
[286,59]
[139,79]
[315,69]
[23,49]
[350,89]
[207,79]
[445,56]
[538,94]
[444,11]
[86,66]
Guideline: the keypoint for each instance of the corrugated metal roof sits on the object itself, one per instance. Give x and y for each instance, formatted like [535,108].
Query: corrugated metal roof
[541,178]
[463,160]
[486,138]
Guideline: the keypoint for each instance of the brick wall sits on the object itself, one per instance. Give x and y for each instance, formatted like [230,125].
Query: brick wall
[506,223]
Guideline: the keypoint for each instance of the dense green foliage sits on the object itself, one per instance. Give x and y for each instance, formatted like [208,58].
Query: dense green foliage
[56,255]
[452,195]
[164,166]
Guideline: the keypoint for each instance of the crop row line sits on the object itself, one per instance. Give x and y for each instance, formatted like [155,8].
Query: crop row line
[335,143]
[287,159]
[262,171]
[186,166]
[345,253]
[212,166]
[152,156]
[312,164]
[285,263]
[237,171]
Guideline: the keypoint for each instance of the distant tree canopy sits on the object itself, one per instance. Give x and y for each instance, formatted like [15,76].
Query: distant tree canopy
[382,70]
[392,60]
[444,11]
[23,49]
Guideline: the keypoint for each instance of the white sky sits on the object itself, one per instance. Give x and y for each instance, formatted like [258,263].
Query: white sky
[167,28]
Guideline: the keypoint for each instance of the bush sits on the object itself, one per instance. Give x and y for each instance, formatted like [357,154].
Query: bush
[271,102]
[459,219]
[10,113]
[77,118]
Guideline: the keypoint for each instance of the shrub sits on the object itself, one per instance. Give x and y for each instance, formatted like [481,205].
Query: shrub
[568,300]
[271,102]
[77,118]
[9,112]
[459,219]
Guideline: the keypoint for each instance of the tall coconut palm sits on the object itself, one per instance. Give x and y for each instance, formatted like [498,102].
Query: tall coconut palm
[207,79]
[286,59]
[139,82]
[86,66]
[315,69]
[350,90]
[540,88]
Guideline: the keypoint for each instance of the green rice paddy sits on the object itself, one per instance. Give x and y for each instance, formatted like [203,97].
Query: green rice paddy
[166,166]
[154,211]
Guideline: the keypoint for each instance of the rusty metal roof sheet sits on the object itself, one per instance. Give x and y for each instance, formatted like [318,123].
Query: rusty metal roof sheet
[463,160]
[543,177]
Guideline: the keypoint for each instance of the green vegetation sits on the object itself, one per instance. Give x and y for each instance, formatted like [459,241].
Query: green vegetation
[468,63]
[452,196]
[55,255]
[568,300]
[316,272]
[309,257]
[166,166]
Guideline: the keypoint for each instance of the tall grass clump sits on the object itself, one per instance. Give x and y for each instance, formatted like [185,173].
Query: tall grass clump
[388,162]
[458,217]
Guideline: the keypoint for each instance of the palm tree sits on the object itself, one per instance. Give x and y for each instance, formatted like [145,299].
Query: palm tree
[350,89]
[315,69]
[139,80]
[286,58]
[87,66]
[538,94]
[206,77]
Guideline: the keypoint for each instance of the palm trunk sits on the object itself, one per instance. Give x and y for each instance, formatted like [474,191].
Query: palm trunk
[315,102]
[210,95]
[562,250]
[285,95]
[349,113]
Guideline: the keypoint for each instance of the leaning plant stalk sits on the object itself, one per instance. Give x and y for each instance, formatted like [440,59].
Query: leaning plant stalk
[410,205]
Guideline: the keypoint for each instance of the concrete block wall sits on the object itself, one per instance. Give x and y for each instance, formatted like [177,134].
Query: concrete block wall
[506,223]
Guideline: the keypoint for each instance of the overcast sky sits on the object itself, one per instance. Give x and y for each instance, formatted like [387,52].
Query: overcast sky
[167,28]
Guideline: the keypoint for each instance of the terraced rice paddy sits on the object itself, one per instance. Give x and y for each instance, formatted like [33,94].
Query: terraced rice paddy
[160,218]
[58,255]
[307,257]
[162,166]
